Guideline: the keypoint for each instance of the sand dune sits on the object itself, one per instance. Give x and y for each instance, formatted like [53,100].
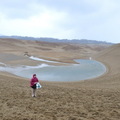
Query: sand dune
[111,57]
[96,99]
[51,51]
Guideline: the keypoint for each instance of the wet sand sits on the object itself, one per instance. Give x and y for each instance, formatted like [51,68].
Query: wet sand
[95,99]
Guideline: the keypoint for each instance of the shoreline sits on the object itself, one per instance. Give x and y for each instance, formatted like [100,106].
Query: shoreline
[18,69]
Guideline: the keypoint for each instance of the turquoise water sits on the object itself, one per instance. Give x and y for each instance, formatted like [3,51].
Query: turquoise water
[87,69]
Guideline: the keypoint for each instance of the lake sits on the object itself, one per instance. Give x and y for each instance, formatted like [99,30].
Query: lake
[86,69]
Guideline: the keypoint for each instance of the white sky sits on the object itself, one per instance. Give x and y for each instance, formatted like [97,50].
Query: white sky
[63,19]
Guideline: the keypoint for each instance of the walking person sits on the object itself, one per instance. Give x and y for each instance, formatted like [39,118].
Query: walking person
[33,83]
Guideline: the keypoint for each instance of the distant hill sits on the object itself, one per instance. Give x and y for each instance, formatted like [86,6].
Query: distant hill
[78,41]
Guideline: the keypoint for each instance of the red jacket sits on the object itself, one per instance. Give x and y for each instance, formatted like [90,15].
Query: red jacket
[33,81]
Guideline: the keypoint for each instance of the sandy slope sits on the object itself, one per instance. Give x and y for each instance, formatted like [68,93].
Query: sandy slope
[51,51]
[96,99]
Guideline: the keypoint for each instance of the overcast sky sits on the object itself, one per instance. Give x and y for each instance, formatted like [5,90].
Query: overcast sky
[63,19]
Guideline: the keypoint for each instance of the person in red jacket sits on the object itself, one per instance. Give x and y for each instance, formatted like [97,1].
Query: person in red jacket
[33,83]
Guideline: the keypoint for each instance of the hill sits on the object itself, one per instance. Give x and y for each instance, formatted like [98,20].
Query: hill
[111,56]
[62,52]
[76,41]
